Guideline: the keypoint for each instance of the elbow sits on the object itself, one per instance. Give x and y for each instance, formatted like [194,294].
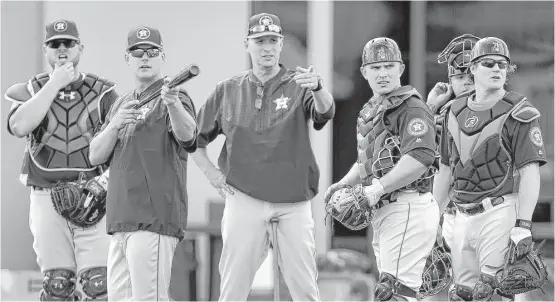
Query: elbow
[94,160]
[17,129]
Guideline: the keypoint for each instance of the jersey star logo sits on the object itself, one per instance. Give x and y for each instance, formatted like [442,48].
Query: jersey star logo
[417,127]
[281,103]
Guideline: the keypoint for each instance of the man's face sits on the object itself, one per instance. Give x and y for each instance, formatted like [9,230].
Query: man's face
[490,72]
[383,77]
[461,83]
[264,51]
[61,51]
[145,60]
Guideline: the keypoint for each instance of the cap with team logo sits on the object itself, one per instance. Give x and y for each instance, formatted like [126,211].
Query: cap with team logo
[144,35]
[61,29]
[381,50]
[264,25]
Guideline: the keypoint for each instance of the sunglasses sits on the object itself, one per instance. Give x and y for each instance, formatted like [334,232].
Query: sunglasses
[68,43]
[490,63]
[139,52]
[262,28]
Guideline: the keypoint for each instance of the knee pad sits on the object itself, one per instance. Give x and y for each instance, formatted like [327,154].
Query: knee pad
[389,288]
[94,283]
[485,288]
[58,285]
[460,293]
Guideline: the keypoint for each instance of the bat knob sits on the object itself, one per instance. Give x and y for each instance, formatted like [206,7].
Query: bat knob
[194,70]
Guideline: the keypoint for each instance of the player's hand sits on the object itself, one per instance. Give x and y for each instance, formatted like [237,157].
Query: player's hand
[63,74]
[374,192]
[218,181]
[521,240]
[440,94]
[307,78]
[170,96]
[331,189]
[126,114]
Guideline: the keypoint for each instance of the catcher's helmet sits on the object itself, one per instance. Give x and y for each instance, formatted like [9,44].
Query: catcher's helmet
[490,46]
[381,50]
[457,54]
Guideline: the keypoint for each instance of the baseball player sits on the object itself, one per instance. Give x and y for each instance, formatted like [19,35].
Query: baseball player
[266,168]
[396,152]
[147,150]
[57,113]
[457,56]
[491,150]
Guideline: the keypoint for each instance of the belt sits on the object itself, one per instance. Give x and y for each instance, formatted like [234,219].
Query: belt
[382,203]
[480,208]
[39,188]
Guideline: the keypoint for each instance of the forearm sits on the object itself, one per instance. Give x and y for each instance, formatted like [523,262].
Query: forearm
[323,100]
[528,191]
[442,183]
[31,113]
[352,177]
[405,172]
[183,124]
[200,156]
[103,145]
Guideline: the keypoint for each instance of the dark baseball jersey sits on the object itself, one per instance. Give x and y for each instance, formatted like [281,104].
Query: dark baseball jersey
[267,152]
[58,149]
[484,148]
[148,171]
[403,116]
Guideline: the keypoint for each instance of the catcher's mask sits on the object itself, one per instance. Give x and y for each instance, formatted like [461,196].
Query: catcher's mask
[457,54]
[438,272]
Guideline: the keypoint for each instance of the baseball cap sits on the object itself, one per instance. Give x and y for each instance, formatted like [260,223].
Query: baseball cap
[264,25]
[61,29]
[144,35]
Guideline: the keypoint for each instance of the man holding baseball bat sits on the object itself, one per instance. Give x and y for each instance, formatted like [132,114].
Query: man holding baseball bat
[266,168]
[145,139]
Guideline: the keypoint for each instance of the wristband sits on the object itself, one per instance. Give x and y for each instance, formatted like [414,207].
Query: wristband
[319,87]
[526,224]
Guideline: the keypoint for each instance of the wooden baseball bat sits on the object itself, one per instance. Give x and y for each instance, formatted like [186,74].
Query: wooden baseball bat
[181,77]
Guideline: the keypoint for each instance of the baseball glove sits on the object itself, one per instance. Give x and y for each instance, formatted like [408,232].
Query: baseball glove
[350,207]
[82,203]
[521,274]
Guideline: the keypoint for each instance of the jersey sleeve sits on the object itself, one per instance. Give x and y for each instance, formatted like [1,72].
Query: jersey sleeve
[527,144]
[209,119]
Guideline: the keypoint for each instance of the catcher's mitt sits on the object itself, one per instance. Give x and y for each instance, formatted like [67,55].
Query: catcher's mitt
[349,206]
[83,203]
[521,274]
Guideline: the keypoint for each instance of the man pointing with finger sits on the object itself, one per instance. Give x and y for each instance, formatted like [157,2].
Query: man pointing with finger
[266,168]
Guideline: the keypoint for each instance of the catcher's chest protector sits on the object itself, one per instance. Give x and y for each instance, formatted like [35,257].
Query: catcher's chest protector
[481,163]
[372,133]
[62,141]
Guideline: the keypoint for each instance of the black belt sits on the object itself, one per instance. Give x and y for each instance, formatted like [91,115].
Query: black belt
[39,188]
[479,208]
[382,203]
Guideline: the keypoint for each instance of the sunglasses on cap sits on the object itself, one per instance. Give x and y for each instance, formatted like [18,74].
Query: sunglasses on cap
[150,52]
[490,63]
[56,43]
[264,28]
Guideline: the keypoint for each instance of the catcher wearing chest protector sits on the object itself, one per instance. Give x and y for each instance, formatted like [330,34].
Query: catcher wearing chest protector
[57,113]
[491,150]
[390,184]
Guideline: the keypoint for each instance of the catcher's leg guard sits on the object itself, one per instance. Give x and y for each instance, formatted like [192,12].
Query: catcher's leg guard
[460,293]
[58,285]
[93,282]
[485,288]
[388,288]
